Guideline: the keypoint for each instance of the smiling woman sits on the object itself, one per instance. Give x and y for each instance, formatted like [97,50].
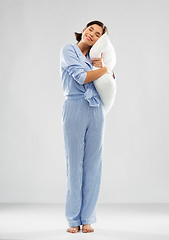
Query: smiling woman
[92,29]
[83,126]
[89,36]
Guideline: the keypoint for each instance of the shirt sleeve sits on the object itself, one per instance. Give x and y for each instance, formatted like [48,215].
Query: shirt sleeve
[70,62]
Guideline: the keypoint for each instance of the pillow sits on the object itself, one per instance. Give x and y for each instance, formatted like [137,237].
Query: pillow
[106,84]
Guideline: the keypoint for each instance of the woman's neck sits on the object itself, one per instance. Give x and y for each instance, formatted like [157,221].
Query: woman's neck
[83,47]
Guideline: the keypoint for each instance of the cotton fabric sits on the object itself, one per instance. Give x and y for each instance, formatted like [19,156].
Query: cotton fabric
[73,70]
[83,124]
[83,128]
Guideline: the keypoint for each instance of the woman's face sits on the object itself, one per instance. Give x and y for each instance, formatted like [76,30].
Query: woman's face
[91,34]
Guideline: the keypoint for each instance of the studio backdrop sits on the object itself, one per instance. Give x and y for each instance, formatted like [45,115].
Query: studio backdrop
[135,155]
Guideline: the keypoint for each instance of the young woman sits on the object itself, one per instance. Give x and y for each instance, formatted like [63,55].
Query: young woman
[83,126]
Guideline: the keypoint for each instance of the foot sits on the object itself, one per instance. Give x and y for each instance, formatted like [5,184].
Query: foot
[87,228]
[74,229]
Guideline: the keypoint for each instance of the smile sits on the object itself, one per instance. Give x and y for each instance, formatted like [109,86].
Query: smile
[88,38]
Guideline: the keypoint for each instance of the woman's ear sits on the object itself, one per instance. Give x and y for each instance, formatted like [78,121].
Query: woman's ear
[83,30]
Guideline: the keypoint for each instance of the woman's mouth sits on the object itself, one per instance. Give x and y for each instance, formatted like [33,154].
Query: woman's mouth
[89,38]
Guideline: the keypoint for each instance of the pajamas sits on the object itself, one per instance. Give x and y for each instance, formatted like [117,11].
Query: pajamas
[83,124]
[83,128]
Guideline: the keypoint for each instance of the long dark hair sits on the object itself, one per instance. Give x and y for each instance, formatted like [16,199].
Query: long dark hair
[79,35]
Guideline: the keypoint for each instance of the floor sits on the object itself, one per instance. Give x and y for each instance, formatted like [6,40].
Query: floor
[114,221]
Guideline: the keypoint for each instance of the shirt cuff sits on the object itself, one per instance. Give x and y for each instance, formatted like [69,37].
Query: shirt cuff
[82,78]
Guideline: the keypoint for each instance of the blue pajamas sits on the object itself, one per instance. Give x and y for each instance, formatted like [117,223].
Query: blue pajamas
[83,128]
[83,121]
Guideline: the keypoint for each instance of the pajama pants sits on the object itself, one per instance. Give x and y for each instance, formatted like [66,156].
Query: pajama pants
[83,129]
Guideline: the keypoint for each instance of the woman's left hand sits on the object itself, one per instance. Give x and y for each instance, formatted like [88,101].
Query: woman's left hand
[97,62]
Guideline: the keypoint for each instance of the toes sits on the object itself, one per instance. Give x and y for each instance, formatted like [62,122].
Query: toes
[85,230]
[73,230]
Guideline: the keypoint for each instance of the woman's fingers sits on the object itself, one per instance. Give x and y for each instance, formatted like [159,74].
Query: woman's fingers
[97,59]
[94,59]
[97,62]
[97,65]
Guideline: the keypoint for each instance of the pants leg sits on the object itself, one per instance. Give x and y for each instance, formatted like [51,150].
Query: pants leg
[74,131]
[83,128]
[92,164]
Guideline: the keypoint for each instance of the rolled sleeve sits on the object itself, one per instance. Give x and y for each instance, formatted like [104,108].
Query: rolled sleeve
[71,63]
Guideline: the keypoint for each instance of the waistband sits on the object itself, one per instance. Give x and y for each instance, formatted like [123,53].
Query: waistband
[89,95]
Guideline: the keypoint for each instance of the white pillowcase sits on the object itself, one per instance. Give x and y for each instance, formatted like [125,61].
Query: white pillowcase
[106,84]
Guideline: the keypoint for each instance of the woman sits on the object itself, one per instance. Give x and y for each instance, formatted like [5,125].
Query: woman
[83,126]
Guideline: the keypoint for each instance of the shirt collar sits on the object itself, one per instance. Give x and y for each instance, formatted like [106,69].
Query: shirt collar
[81,55]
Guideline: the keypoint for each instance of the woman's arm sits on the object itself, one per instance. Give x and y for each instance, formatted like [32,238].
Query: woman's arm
[95,74]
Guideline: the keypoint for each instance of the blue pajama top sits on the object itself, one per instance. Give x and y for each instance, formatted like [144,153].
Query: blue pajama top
[73,70]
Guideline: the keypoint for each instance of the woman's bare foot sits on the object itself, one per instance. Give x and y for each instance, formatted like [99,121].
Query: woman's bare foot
[74,229]
[87,228]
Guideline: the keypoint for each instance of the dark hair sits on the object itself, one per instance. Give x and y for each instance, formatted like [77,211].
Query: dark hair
[79,35]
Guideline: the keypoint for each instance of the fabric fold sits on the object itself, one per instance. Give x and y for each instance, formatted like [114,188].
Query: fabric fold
[92,98]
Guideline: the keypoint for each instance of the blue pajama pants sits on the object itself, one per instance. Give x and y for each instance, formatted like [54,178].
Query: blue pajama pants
[83,128]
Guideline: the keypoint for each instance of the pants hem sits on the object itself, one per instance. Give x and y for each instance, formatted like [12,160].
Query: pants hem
[75,223]
[88,221]
[82,222]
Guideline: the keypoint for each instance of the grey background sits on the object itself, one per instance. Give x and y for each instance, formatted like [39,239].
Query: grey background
[135,157]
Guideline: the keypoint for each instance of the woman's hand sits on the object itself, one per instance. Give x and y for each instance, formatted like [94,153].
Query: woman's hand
[98,62]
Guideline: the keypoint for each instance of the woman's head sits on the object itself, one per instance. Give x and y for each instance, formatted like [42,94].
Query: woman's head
[91,33]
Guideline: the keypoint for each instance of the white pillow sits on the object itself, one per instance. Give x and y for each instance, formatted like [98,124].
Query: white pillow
[106,84]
